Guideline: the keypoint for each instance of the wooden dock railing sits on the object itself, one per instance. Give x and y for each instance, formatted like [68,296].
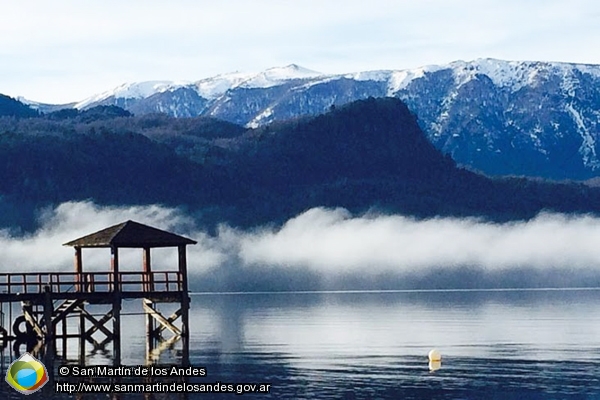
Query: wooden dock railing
[90,282]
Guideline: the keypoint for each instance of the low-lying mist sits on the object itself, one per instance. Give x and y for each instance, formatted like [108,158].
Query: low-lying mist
[332,249]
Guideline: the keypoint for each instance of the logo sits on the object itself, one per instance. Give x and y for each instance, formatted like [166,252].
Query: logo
[27,374]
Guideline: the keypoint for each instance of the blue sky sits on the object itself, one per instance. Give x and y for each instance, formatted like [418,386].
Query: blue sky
[66,50]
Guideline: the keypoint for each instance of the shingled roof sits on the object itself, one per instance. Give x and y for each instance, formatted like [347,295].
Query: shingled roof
[131,234]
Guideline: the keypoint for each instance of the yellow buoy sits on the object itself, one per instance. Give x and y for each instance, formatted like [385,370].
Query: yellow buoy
[434,355]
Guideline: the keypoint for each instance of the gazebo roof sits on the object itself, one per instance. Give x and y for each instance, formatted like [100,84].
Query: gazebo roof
[131,234]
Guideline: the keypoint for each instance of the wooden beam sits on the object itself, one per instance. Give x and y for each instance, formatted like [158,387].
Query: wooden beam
[162,320]
[32,321]
[97,324]
[171,319]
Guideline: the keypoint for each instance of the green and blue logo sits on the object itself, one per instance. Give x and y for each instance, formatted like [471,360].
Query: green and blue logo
[27,374]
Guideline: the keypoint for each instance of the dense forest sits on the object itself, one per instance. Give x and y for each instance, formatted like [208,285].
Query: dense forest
[370,154]
[10,107]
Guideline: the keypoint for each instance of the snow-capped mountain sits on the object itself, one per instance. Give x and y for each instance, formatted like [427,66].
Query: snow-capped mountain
[524,118]
[191,99]
[141,90]
[499,117]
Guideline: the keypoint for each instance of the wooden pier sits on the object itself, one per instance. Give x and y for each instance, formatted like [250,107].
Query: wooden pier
[48,299]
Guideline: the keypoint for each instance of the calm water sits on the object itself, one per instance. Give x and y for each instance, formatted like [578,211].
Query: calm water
[495,345]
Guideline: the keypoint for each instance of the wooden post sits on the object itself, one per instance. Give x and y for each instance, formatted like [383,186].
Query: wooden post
[49,329]
[147,269]
[150,339]
[78,269]
[117,330]
[48,310]
[114,269]
[64,340]
[185,304]
[116,307]
[81,335]
[183,268]
[148,287]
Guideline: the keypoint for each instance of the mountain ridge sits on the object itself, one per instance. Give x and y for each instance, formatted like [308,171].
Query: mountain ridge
[524,118]
[499,71]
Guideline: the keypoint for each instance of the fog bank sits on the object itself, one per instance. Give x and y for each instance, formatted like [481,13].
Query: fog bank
[334,239]
[326,248]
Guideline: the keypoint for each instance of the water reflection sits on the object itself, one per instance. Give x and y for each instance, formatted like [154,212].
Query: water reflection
[516,345]
[434,365]
[348,344]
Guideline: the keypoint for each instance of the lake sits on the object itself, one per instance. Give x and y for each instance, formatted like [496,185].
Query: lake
[522,344]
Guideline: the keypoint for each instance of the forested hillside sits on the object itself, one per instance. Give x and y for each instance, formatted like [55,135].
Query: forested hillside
[367,155]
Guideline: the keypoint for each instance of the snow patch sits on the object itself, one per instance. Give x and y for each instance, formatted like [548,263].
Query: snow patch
[534,135]
[137,90]
[587,149]
[212,88]
[33,104]
[593,70]
[215,87]
[399,80]
[275,76]
[507,74]
[512,75]
[515,75]
[25,101]
[318,81]
[377,76]
[569,82]
[258,120]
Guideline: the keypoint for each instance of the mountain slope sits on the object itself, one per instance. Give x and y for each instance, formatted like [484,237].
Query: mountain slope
[499,117]
[372,153]
[536,119]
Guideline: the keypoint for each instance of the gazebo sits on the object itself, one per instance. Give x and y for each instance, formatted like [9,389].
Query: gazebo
[151,286]
[131,234]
